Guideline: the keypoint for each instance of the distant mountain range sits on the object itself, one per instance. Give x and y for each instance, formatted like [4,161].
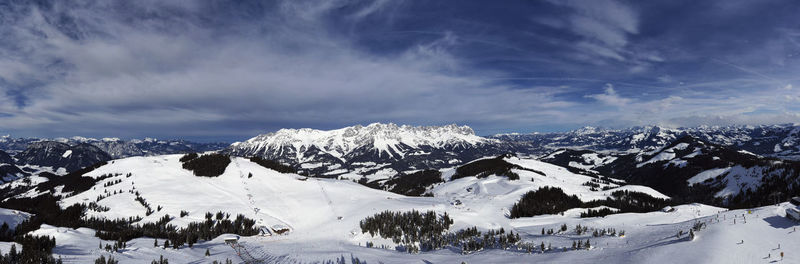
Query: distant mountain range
[391,149]
[781,141]
[118,148]
[20,157]
[710,164]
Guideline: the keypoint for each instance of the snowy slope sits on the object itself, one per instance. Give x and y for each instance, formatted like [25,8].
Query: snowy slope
[312,208]
[650,238]
[268,196]
[495,195]
[12,217]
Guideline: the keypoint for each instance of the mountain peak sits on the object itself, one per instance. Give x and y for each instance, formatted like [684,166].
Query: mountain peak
[383,139]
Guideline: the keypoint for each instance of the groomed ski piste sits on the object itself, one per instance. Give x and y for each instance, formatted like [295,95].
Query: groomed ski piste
[323,217]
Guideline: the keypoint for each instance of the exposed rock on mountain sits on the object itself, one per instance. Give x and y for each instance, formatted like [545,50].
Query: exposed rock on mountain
[367,149]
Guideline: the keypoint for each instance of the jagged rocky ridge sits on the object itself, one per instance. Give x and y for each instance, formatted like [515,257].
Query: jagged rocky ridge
[368,149]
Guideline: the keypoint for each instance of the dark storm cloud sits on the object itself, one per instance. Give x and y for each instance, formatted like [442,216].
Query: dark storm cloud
[234,69]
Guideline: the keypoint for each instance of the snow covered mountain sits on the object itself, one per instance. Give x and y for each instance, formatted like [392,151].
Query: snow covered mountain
[118,148]
[692,169]
[60,155]
[368,149]
[8,170]
[782,141]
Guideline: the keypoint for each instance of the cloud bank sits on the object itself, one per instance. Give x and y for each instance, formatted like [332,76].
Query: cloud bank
[232,70]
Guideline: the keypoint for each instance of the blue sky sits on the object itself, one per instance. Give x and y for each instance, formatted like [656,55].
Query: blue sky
[215,70]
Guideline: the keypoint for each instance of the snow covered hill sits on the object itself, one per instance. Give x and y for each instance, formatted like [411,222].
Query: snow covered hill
[324,214]
[304,204]
[369,149]
[693,170]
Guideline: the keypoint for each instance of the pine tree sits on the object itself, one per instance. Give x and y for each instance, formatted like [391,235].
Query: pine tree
[166,244]
[155,242]
[691,234]
[208,253]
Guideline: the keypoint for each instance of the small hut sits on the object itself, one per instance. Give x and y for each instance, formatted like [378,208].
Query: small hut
[793,213]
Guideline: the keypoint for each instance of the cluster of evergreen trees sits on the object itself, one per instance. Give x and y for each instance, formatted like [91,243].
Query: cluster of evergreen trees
[209,165]
[102,260]
[408,228]
[119,244]
[35,249]
[416,231]
[6,233]
[141,200]
[485,167]
[595,183]
[123,230]
[110,183]
[161,260]
[545,200]
[553,200]
[45,209]
[98,208]
[631,202]
[581,245]
[274,165]
[606,232]
[492,239]
[597,213]
[414,184]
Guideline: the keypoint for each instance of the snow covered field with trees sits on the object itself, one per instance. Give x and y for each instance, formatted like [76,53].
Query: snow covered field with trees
[323,219]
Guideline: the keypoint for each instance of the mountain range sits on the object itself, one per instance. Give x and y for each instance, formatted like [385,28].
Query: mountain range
[385,149]
[118,148]
[781,141]
[318,192]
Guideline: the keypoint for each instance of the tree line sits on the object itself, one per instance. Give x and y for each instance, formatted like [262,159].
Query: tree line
[553,200]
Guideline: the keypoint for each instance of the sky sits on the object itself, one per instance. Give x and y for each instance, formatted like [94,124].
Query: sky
[229,70]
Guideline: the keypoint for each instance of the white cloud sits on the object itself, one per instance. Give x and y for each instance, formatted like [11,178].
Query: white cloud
[610,97]
[604,25]
[131,78]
